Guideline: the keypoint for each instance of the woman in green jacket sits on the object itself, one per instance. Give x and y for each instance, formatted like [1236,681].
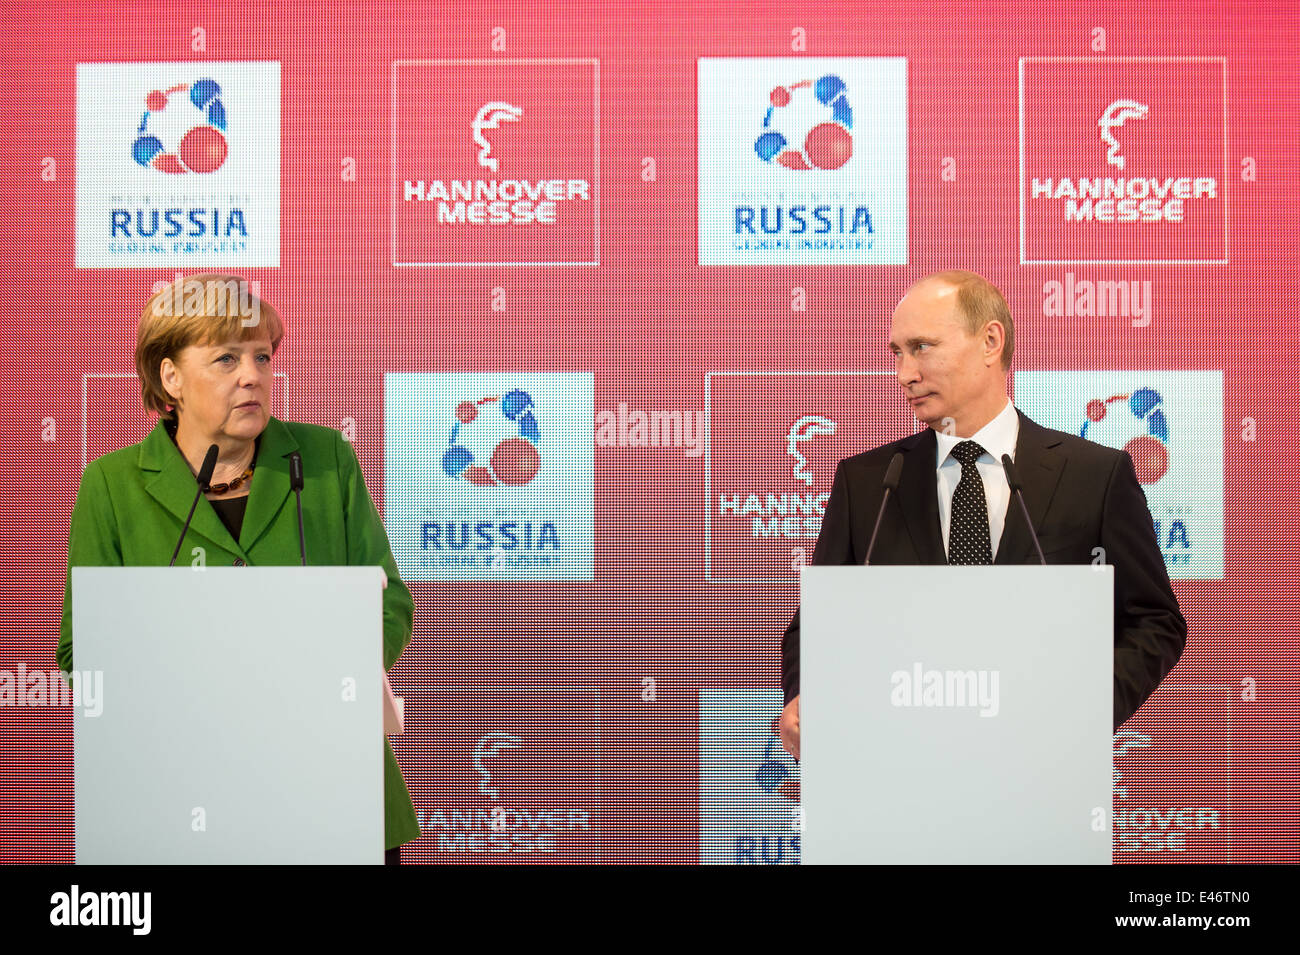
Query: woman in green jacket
[203,355]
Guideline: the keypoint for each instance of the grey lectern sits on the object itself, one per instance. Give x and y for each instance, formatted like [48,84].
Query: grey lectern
[240,718]
[956,714]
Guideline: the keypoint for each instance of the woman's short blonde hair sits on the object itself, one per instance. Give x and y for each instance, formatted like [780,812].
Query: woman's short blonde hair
[203,309]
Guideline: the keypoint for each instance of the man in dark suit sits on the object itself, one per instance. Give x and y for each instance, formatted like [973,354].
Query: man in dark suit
[952,337]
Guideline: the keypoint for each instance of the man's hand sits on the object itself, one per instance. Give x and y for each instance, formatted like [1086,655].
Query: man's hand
[790,727]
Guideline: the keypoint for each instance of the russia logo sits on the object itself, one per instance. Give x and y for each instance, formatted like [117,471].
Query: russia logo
[1171,425]
[513,460]
[178,165]
[1150,449]
[476,488]
[495,162]
[827,145]
[202,148]
[802,177]
[749,785]
[1123,160]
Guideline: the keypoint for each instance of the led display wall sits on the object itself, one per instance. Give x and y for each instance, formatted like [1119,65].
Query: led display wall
[600,294]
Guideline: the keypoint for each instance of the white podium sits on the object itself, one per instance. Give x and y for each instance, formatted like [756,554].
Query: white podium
[956,714]
[241,716]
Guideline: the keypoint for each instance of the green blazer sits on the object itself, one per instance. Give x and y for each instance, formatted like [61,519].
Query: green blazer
[132,503]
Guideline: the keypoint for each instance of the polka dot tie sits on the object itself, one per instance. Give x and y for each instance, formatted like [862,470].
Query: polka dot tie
[968,531]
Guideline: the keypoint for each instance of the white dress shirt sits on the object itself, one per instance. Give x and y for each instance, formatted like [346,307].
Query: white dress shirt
[997,438]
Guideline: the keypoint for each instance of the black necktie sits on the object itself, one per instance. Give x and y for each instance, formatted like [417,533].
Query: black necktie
[968,531]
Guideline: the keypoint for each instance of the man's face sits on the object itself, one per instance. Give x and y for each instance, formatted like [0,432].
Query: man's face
[943,368]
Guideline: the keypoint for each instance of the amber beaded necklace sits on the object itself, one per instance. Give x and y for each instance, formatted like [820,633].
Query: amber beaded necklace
[231,485]
[228,486]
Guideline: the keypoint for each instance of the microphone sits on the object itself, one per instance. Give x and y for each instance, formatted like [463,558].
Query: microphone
[892,474]
[1013,480]
[204,479]
[295,484]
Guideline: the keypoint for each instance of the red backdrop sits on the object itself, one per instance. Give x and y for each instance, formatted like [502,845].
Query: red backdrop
[603,677]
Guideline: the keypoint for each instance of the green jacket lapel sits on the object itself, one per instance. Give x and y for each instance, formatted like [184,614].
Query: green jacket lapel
[169,480]
[270,484]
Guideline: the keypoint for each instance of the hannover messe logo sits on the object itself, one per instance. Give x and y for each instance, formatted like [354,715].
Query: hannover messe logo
[491,116]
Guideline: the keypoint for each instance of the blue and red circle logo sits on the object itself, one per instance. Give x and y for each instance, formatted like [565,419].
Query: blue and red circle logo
[201,148]
[512,435]
[774,775]
[827,145]
[1149,449]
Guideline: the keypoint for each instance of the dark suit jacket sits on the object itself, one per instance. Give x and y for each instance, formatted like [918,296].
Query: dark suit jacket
[1081,495]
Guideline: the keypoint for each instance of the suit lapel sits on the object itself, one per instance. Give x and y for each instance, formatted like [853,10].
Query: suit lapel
[1039,463]
[270,482]
[173,485]
[918,496]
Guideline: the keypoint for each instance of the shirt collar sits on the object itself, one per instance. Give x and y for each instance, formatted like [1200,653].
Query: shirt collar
[997,438]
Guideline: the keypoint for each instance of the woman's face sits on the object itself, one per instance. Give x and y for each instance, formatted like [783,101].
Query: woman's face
[222,389]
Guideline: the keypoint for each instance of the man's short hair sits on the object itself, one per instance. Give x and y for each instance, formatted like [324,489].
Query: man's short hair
[979,302]
[204,309]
